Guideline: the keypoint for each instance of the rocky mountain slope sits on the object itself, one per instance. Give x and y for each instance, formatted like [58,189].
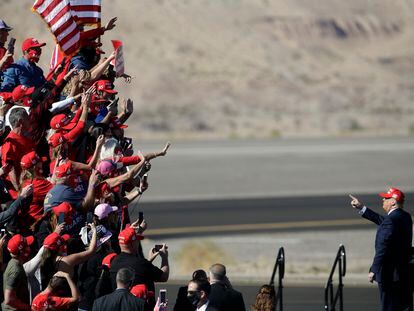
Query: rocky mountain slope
[259,68]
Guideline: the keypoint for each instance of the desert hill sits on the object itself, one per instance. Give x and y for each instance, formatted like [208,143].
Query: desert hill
[258,68]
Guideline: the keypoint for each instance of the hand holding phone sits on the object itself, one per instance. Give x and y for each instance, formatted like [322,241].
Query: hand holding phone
[61,218]
[157,248]
[10,46]
[163,296]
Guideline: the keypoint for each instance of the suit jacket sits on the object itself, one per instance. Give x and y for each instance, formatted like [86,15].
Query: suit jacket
[392,245]
[211,308]
[120,299]
[225,299]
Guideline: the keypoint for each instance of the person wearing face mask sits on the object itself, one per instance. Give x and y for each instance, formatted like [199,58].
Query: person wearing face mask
[16,293]
[198,292]
[16,145]
[25,71]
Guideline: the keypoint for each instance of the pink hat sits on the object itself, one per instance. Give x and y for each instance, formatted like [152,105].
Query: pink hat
[105,167]
[103,210]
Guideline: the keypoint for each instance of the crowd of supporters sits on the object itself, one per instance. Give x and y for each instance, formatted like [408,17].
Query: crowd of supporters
[67,178]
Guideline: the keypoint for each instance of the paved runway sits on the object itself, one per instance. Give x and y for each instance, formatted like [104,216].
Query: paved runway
[274,168]
[181,218]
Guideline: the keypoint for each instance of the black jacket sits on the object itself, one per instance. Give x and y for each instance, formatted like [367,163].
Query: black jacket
[225,299]
[120,299]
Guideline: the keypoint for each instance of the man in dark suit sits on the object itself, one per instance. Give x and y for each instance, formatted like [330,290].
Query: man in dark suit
[198,293]
[222,295]
[390,267]
[121,298]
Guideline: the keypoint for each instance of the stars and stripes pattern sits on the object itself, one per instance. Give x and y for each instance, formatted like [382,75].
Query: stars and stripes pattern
[86,11]
[58,16]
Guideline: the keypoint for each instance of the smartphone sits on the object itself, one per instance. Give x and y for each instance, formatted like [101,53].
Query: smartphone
[145,178]
[61,218]
[2,232]
[157,247]
[10,46]
[163,296]
[140,217]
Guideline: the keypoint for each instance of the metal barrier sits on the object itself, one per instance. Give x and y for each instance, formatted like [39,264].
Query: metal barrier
[280,263]
[330,298]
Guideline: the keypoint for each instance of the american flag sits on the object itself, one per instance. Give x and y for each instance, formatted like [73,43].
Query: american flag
[58,16]
[86,11]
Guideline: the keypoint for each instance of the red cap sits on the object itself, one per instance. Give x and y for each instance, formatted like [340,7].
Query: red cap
[129,235]
[140,291]
[7,96]
[31,43]
[18,243]
[64,170]
[394,193]
[56,140]
[115,123]
[62,122]
[105,85]
[21,92]
[65,208]
[55,242]
[30,159]
[108,259]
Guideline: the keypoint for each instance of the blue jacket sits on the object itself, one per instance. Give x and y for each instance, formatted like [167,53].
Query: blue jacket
[22,72]
[80,62]
[392,245]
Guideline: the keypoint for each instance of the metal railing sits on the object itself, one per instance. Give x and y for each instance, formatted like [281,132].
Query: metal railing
[331,298]
[279,267]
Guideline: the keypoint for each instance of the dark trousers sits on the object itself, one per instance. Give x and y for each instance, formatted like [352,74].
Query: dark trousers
[395,296]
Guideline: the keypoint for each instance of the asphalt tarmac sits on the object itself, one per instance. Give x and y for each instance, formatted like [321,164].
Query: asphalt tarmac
[212,217]
[302,298]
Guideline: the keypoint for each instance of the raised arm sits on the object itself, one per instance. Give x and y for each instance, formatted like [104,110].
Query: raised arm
[116,181]
[77,258]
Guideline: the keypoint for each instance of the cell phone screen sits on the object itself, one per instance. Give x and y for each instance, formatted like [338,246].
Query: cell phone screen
[61,218]
[163,295]
[140,217]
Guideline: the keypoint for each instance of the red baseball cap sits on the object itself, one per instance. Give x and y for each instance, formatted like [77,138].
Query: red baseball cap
[56,140]
[18,243]
[129,235]
[30,159]
[55,242]
[140,291]
[394,193]
[31,43]
[105,85]
[22,92]
[7,96]
[62,122]
[64,170]
[47,302]
[108,259]
[65,208]
[115,123]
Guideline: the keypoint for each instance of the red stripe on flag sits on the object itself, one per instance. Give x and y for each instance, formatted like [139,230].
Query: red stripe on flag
[87,8]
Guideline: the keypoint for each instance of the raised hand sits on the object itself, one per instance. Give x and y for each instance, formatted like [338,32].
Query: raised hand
[355,203]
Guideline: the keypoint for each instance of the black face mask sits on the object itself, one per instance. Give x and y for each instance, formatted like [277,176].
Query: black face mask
[193,299]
